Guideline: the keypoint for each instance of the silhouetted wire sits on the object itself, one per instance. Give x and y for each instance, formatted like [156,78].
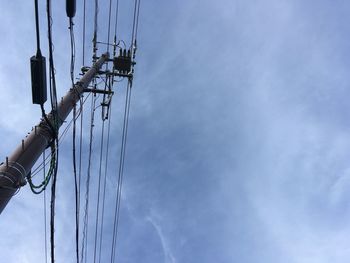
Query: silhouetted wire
[72,62]
[45,217]
[109,23]
[86,212]
[72,44]
[116,27]
[135,23]
[94,40]
[137,19]
[80,150]
[99,189]
[75,187]
[121,171]
[84,23]
[53,96]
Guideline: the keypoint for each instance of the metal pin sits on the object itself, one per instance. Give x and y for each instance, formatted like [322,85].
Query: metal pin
[35,129]
[7,162]
[22,145]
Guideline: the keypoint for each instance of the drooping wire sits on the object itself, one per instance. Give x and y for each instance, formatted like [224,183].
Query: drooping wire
[121,171]
[61,138]
[38,189]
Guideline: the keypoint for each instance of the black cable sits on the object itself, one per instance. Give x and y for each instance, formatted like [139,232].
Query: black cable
[37,27]
[45,220]
[75,188]
[95,31]
[53,96]
[109,24]
[99,189]
[53,92]
[52,212]
[85,227]
[137,19]
[84,19]
[104,182]
[115,28]
[72,44]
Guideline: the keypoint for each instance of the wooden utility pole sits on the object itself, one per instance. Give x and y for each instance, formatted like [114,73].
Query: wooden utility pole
[18,165]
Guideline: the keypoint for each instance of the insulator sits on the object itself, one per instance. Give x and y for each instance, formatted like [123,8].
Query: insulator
[70,8]
[129,55]
[124,53]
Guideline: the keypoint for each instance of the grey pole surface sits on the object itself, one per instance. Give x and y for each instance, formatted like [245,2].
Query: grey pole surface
[16,167]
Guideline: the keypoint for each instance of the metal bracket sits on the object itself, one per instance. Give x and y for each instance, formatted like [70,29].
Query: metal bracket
[99,91]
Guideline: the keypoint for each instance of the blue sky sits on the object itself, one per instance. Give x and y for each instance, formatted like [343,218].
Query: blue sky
[238,147]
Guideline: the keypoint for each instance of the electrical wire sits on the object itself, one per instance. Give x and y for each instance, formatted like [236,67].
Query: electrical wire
[84,24]
[94,40]
[121,171]
[72,45]
[53,96]
[75,188]
[72,64]
[104,181]
[135,27]
[61,138]
[45,220]
[86,211]
[99,189]
[109,24]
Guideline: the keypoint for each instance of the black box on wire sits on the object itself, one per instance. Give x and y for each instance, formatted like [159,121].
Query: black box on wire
[38,72]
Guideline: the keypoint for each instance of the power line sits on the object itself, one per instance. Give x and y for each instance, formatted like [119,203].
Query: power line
[104,183]
[45,220]
[99,189]
[121,170]
[84,23]
[85,228]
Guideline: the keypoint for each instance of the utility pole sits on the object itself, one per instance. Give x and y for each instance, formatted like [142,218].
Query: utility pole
[18,165]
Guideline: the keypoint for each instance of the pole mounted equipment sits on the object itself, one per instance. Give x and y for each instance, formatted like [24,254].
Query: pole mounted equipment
[70,8]
[38,67]
[19,164]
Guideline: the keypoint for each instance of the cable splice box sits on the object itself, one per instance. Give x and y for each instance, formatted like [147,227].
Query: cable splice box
[38,73]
